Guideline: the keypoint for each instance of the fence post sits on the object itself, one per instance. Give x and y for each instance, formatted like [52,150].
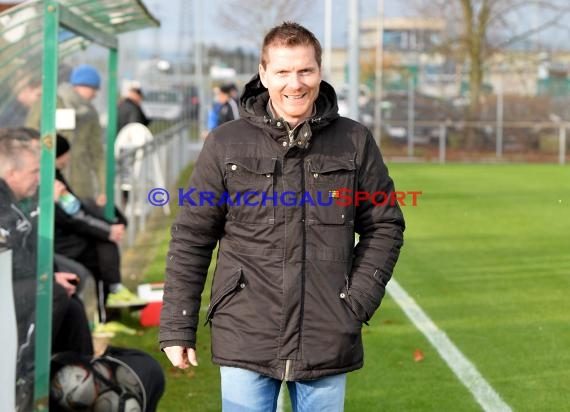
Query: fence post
[499,126]
[143,188]
[411,115]
[442,138]
[562,144]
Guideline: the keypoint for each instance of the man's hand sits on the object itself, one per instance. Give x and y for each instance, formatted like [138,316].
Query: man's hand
[58,189]
[117,232]
[101,200]
[181,357]
[65,279]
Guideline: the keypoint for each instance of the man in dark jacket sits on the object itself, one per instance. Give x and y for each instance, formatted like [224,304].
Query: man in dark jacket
[291,291]
[82,233]
[19,178]
[130,110]
[228,110]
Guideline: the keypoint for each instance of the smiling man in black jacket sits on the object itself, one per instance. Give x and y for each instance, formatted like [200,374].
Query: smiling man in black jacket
[291,291]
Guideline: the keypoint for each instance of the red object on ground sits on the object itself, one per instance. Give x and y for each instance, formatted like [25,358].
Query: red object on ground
[150,315]
[418,355]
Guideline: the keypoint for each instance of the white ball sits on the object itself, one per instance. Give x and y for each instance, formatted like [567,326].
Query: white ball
[74,388]
[110,401]
[132,405]
[107,402]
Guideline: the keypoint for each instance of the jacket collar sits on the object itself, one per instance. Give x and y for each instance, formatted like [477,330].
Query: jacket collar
[6,193]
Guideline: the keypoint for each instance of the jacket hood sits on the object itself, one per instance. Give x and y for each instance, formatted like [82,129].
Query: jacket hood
[254,99]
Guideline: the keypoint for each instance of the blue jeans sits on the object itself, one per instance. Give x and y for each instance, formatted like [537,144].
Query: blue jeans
[246,391]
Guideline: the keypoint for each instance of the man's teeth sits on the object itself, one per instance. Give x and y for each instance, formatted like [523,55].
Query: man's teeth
[300,96]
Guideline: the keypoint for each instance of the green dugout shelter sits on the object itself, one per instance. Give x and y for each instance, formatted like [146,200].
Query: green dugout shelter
[34,36]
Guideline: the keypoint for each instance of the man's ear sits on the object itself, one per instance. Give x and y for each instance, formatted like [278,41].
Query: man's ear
[262,75]
[9,176]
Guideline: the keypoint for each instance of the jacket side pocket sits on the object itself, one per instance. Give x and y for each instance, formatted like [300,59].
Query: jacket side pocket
[234,284]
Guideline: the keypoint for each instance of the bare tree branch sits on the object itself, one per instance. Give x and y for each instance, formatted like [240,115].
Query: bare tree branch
[509,8]
[251,19]
[526,34]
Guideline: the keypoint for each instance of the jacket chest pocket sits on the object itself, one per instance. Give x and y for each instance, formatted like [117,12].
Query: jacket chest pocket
[330,181]
[250,182]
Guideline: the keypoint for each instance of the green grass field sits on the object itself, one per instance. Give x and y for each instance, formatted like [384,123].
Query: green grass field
[486,256]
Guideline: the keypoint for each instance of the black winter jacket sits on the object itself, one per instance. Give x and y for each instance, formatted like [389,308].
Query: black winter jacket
[18,231]
[129,111]
[291,291]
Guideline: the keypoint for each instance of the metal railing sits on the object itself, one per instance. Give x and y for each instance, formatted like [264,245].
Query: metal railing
[156,164]
[444,141]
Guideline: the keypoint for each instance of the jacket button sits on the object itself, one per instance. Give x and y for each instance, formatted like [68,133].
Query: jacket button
[315,175]
[242,285]
[284,143]
[268,175]
[278,124]
[343,295]
[234,167]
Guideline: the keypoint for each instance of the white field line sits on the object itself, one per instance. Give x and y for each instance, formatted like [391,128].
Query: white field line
[467,373]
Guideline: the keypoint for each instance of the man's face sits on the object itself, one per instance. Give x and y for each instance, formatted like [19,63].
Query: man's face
[88,93]
[292,77]
[29,95]
[62,161]
[24,180]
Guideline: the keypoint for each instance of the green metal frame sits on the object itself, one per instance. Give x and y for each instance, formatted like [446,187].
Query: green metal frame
[57,14]
[47,206]
[111,133]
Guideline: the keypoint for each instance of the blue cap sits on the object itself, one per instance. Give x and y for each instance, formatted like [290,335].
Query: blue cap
[85,75]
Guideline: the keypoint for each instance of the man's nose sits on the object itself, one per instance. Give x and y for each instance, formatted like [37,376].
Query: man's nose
[295,81]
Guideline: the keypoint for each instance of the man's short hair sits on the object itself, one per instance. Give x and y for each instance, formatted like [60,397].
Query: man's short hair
[15,141]
[290,34]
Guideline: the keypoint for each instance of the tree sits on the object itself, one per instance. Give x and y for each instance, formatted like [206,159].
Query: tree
[251,19]
[480,28]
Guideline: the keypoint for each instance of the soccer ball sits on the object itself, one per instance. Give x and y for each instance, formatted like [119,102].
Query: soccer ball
[73,387]
[107,402]
[110,401]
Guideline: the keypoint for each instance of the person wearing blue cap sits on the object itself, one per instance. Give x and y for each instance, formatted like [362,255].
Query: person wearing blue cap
[85,171]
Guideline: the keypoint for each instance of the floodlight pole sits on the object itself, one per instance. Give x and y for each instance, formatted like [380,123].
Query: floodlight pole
[328,41]
[353,59]
[378,73]
[198,62]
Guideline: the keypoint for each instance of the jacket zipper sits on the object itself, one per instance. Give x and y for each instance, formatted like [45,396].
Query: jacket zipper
[25,222]
[291,137]
[223,293]
[304,254]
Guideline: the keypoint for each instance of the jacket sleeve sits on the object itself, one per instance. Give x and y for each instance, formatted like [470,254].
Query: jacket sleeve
[381,235]
[194,235]
[83,224]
